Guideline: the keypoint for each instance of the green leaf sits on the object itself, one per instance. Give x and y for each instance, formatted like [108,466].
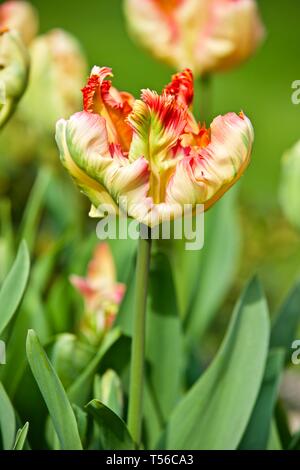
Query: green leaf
[215,412]
[82,423]
[258,429]
[34,206]
[80,390]
[21,437]
[295,442]
[286,322]
[217,265]
[124,252]
[13,287]
[7,237]
[53,393]
[274,439]
[7,420]
[114,432]
[164,342]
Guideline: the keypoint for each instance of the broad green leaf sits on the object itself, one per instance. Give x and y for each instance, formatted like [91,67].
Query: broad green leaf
[217,265]
[59,305]
[274,439]
[295,442]
[215,412]
[80,390]
[53,393]
[7,420]
[51,436]
[114,432]
[154,421]
[164,342]
[82,423]
[125,315]
[286,322]
[124,252]
[13,287]
[34,206]
[7,238]
[281,420]
[32,315]
[59,191]
[258,429]
[21,437]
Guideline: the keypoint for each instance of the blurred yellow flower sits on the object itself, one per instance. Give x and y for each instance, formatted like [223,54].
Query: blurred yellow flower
[151,153]
[205,35]
[101,292]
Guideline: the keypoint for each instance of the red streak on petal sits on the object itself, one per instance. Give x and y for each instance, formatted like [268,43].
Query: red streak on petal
[182,87]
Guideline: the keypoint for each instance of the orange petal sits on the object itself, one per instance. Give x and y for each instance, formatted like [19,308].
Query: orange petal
[102,265]
[182,87]
[100,97]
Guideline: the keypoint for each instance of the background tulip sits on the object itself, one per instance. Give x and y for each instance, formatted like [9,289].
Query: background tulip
[205,35]
[101,292]
[58,70]
[14,60]
[151,151]
[20,16]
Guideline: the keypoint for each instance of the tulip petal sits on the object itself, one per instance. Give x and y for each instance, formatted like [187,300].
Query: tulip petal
[85,153]
[100,97]
[20,16]
[81,141]
[102,264]
[182,87]
[231,34]
[14,72]
[202,178]
[157,122]
[204,35]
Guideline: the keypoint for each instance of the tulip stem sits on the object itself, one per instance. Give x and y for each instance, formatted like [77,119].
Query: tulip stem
[135,410]
[205,95]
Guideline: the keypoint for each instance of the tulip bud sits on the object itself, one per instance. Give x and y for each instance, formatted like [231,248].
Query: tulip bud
[101,293]
[57,73]
[14,68]
[108,389]
[204,35]
[20,16]
[289,194]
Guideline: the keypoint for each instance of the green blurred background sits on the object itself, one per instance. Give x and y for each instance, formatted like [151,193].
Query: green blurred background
[261,87]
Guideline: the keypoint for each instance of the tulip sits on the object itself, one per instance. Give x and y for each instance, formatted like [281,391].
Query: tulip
[20,16]
[14,61]
[59,68]
[150,157]
[289,194]
[205,35]
[101,293]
